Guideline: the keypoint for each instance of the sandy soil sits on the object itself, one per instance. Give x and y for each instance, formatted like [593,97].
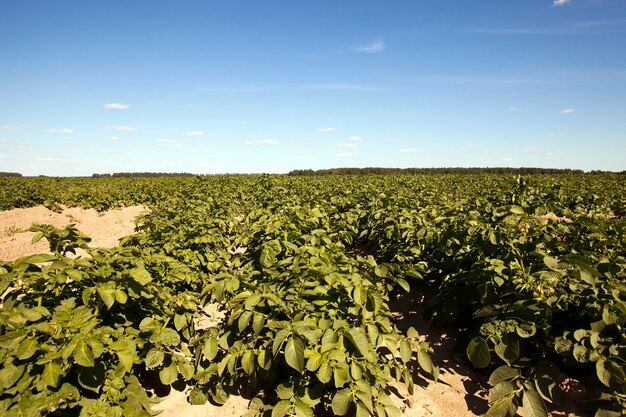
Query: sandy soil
[460,391]
[105,229]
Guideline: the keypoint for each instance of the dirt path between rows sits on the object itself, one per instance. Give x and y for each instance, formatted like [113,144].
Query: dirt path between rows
[460,391]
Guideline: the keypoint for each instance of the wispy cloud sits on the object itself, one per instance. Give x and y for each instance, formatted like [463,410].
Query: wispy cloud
[412,150]
[169,142]
[373,48]
[355,138]
[262,142]
[560,2]
[343,87]
[113,138]
[116,106]
[120,128]
[342,155]
[10,128]
[567,111]
[348,145]
[515,109]
[63,131]
[195,133]
[326,129]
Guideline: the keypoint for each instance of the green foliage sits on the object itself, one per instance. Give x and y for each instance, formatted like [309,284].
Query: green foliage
[303,270]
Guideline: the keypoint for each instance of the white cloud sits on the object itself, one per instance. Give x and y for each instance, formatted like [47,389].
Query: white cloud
[375,47]
[355,138]
[262,142]
[515,109]
[116,106]
[64,131]
[10,128]
[195,133]
[348,145]
[114,138]
[411,150]
[169,142]
[342,155]
[326,129]
[567,111]
[560,2]
[122,128]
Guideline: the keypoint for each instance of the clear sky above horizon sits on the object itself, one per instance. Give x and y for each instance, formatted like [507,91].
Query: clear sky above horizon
[253,86]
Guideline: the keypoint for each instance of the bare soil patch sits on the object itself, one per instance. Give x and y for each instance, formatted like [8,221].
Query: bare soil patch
[105,229]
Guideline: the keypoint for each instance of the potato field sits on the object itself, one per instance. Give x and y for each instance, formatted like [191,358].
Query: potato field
[531,269]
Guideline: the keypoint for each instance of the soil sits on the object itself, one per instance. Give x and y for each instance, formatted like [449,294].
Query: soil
[460,391]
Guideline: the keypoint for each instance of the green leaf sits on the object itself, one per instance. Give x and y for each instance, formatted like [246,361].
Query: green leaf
[502,389]
[302,410]
[526,330]
[185,368]
[381,271]
[325,372]
[341,375]
[502,408]
[26,348]
[412,333]
[244,320]
[126,358]
[533,404]
[503,373]
[106,292]
[284,392]
[154,358]
[281,409]
[357,336]
[405,351]
[169,374]
[405,285]
[478,352]
[82,354]
[247,362]
[140,275]
[341,402]
[314,362]
[51,374]
[392,411]
[294,353]
[180,321]
[198,397]
[516,210]
[210,348]
[168,337]
[508,349]
[610,373]
[425,361]
[551,262]
[120,296]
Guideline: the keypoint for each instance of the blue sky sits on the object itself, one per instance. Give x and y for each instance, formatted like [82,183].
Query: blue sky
[270,86]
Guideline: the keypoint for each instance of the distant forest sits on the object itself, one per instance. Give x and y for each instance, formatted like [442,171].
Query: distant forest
[364,171]
[380,171]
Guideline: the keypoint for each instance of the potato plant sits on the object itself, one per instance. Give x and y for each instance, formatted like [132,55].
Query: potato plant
[302,271]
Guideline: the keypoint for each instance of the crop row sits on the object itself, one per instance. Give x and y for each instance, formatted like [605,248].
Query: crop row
[303,269]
